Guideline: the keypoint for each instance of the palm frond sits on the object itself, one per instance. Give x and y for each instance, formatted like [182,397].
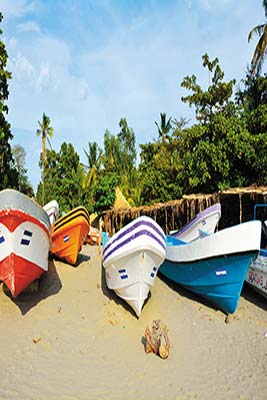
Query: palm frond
[259,53]
[264,4]
[256,30]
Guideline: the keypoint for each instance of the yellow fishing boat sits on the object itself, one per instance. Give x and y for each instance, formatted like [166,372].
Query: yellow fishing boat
[69,233]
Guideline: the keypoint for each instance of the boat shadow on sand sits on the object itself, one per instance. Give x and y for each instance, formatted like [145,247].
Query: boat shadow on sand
[113,297]
[47,285]
[80,259]
[183,292]
[253,296]
[247,293]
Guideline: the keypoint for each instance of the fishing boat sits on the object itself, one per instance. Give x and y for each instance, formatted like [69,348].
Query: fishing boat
[69,233]
[206,220]
[215,265]
[257,273]
[131,259]
[24,240]
[52,210]
[94,237]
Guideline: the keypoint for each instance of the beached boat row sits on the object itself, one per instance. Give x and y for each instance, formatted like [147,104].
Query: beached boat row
[213,264]
[28,233]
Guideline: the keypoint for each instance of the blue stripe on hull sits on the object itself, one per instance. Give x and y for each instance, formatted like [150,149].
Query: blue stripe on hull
[220,280]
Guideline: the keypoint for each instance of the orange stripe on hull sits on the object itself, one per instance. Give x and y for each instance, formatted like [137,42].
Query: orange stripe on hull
[67,240]
[17,273]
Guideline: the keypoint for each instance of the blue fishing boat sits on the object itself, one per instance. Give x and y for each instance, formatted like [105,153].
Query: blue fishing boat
[215,265]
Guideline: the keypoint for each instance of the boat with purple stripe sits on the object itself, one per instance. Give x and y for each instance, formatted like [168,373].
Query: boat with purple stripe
[206,220]
[131,259]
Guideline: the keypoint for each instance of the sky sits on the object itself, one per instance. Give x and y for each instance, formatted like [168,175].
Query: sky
[88,63]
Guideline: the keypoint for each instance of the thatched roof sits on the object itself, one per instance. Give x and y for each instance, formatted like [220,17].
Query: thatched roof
[120,201]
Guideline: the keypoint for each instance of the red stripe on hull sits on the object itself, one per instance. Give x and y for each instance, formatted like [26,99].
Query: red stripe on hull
[17,273]
[13,218]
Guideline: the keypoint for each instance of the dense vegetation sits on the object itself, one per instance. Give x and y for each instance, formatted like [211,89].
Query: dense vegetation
[225,147]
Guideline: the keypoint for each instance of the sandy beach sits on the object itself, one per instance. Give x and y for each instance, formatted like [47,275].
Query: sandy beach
[75,339]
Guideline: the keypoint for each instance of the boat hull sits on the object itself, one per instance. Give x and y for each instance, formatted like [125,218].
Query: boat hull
[24,241]
[219,280]
[68,235]
[17,273]
[131,259]
[214,266]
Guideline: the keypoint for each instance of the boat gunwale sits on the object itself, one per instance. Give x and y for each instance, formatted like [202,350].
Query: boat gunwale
[213,257]
[131,239]
[135,226]
[59,223]
[27,218]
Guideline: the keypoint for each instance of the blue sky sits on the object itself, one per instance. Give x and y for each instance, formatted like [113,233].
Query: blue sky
[88,63]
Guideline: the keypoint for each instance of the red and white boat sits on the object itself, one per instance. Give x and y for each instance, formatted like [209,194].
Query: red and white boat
[24,240]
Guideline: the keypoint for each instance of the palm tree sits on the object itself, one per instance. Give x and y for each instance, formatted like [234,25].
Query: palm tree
[94,160]
[261,47]
[164,126]
[44,130]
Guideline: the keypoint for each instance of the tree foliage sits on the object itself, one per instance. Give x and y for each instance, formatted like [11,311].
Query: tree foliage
[104,192]
[63,177]
[19,156]
[45,130]
[260,51]
[8,172]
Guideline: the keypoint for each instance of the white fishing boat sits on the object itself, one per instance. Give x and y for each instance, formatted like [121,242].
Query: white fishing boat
[131,259]
[24,240]
[257,273]
[52,210]
[206,220]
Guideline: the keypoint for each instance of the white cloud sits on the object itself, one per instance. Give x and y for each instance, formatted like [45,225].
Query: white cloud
[43,79]
[12,43]
[17,8]
[30,26]
[83,90]
[22,69]
[134,71]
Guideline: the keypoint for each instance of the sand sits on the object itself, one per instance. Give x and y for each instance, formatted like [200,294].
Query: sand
[75,339]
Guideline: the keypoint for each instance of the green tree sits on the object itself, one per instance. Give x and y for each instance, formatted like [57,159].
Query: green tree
[261,47]
[164,127]
[92,168]
[120,158]
[253,101]
[126,138]
[159,172]
[63,177]
[8,172]
[111,152]
[104,192]
[127,159]
[218,152]
[45,130]
[19,155]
